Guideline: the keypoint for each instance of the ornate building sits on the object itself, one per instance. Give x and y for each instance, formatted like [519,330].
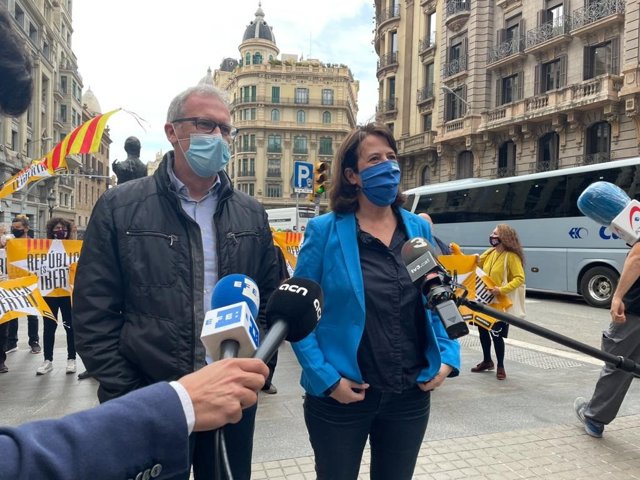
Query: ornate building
[508,87]
[56,109]
[287,110]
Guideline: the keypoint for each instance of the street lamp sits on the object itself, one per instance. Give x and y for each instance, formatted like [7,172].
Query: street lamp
[51,201]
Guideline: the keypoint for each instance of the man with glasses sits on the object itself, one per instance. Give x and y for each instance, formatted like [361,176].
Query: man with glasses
[153,251]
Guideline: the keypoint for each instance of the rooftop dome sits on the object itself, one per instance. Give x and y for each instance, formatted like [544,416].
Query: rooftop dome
[228,64]
[259,28]
[89,99]
[207,79]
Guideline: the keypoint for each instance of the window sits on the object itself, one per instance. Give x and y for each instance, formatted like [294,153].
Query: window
[548,152]
[327,96]
[300,144]
[274,190]
[248,93]
[432,22]
[602,59]
[506,160]
[326,147]
[275,94]
[247,59]
[19,16]
[326,117]
[391,93]
[598,143]
[63,113]
[425,176]
[464,167]
[257,58]
[14,140]
[427,120]
[274,144]
[302,95]
[456,103]
[300,116]
[551,75]
[555,13]
[249,143]
[393,42]
[248,114]
[33,33]
[275,115]
[63,84]
[509,89]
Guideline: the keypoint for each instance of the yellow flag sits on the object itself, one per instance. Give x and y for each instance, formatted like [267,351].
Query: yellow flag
[21,296]
[289,243]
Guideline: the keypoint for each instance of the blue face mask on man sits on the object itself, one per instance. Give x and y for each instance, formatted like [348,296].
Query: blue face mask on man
[380,183]
[207,154]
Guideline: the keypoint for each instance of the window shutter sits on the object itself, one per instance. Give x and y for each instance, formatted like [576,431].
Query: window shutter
[586,65]
[563,71]
[465,52]
[536,80]
[501,36]
[542,17]
[463,94]
[615,56]
[521,35]
[498,92]
[520,92]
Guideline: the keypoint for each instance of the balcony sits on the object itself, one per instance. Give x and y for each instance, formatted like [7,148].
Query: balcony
[549,35]
[425,94]
[417,143]
[274,173]
[388,61]
[313,102]
[388,14]
[274,149]
[454,67]
[300,150]
[246,173]
[597,15]
[250,148]
[506,52]
[503,172]
[427,47]
[593,158]
[388,106]
[456,13]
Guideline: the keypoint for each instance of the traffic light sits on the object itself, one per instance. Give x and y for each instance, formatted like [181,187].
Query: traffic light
[320,178]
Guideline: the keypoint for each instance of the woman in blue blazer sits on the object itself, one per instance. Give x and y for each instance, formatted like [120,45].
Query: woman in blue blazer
[376,354]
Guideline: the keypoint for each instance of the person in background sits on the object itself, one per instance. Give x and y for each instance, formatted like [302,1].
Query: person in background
[153,252]
[505,252]
[442,248]
[20,229]
[369,367]
[621,339]
[59,229]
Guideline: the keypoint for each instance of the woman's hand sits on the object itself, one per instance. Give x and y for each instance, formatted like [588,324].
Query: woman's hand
[496,291]
[436,381]
[348,391]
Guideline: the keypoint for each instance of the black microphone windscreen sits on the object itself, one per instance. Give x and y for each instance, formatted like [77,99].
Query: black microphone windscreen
[415,248]
[298,301]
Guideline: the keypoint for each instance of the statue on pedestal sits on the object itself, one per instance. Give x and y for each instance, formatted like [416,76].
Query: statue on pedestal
[132,167]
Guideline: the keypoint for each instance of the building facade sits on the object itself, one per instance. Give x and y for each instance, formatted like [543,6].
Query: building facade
[287,110]
[56,109]
[508,87]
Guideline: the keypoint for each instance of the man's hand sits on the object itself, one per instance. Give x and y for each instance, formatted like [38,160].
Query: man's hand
[436,381]
[617,310]
[221,390]
[349,391]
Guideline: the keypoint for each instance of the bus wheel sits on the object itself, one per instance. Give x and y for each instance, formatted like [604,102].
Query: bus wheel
[597,286]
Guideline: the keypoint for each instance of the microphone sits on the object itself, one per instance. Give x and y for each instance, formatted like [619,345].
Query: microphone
[229,329]
[433,281]
[292,312]
[609,205]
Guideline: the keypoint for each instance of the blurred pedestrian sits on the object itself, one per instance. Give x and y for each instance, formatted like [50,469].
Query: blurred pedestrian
[370,365]
[503,262]
[442,248]
[58,228]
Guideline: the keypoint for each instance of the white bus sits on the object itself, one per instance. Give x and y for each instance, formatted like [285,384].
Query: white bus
[565,252]
[285,218]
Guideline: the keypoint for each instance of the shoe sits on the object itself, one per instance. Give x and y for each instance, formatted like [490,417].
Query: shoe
[35,348]
[12,349]
[3,368]
[71,365]
[482,366]
[45,368]
[271,389]
[592,428]
[500,373]
[84,375]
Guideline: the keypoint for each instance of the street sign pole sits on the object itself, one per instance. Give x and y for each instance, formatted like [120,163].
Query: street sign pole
[297,211]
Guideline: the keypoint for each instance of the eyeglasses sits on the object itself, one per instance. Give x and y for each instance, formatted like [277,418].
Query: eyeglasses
[205,125]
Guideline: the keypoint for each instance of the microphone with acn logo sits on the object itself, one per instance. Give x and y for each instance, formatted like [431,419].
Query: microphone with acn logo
[292,312]
[429,276]
[229,329]
[609,205]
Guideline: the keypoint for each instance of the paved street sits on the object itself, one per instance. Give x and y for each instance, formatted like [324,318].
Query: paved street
[480,428]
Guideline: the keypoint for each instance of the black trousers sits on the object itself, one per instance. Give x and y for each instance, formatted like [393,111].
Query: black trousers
[4,328]
[58,304]
[32,331]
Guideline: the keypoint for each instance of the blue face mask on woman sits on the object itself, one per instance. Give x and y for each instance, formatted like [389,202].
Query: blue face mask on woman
[207,154]
[380,183]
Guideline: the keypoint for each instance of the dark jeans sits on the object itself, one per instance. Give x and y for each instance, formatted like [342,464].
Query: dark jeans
[56,304]
[394,422]
[239,442]
[32,331]
[4,328]
[273,361]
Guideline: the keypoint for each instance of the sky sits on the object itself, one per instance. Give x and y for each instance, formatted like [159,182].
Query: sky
[138,54]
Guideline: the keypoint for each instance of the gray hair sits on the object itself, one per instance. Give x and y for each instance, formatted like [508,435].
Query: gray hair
[177,104]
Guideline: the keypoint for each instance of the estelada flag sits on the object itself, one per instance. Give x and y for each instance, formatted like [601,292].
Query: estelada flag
[478,285]
[21,296]
[84,139]
[289,243]
[49,260]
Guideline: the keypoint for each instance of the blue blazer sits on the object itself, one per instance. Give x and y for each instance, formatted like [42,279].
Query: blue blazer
[329,255]
[140,435]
